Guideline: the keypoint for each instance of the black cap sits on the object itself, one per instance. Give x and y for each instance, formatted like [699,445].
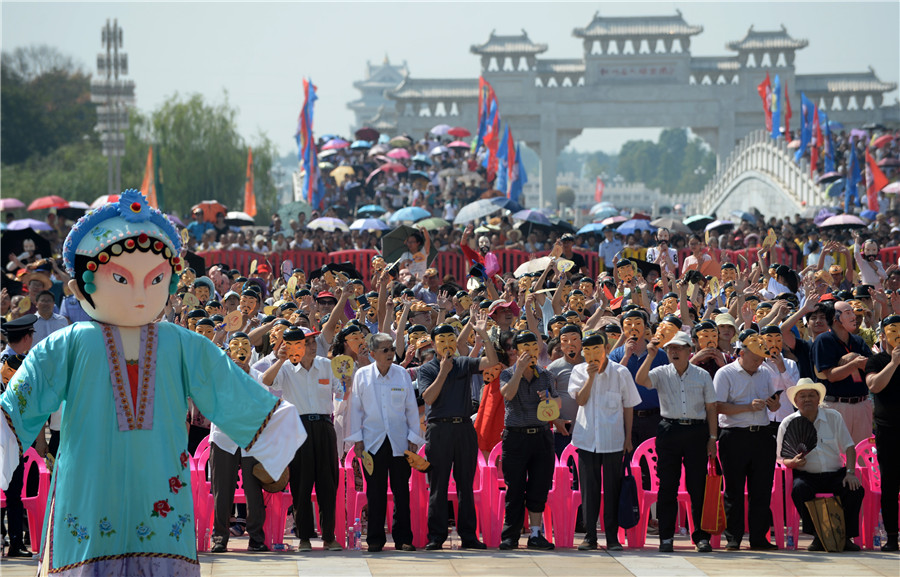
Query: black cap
[770,330]
[613,328]
[239,335]
[746,333]
[249,292]
[281,322]
[206,323]
[443,330]
[598,338]
[570,328]
[673,320]
[197,314]
[525,337]
[863,291]
[18,327]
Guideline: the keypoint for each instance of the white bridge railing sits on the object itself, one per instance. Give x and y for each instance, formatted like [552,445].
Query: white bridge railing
[758,152]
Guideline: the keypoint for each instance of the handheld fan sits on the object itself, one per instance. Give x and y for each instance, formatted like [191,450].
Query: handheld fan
[799,438]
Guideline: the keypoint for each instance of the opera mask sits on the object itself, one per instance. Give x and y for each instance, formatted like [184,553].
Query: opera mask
[444,341]
[372,311]
[528,346]
[213,310]
[378,263]
[294,344]
[707,336]
[248,304]
[521,325]
[413,337]
[239,348]
[355,340]
[187,278]
[565,289]
[728,289]
[465,301]
[525,283]
[341,278]
[576,302]
[570,344]
[625,270]
[300,276]
[848,321]
[573,318]
[859,309]
[555,325]
[192,323]
[490,374]
[12,364]
[891,326]
[755,344]
[762,311]
[329,278]
[667,329]
[585,287]
[201,291]
[206,329]
[276,333]
[456,324]
[836,272]
[774,344]
[729,274]
[772,269]
[594,351]
[633,326]
[668,305]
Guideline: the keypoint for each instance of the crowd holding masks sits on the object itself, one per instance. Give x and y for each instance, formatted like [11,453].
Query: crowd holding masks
[707,357]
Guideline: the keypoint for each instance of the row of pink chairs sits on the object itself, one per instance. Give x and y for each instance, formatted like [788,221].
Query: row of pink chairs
[562,503]
[35,505]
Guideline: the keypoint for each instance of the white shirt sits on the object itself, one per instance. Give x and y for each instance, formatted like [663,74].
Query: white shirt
[683,396]
[735,385]
[222,440]
[43,327]
[312,391]
[781,382]
[383,406]
[600,423]
[833,441]
[653,253]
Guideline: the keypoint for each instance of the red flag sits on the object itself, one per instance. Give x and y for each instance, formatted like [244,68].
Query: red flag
[787,112]
[816,143]
[875,181]
[765,93]
[148,186]
[598,191]
[249,196]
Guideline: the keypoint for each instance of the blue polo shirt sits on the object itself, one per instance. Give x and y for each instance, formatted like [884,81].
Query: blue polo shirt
[649,397]
[827,351]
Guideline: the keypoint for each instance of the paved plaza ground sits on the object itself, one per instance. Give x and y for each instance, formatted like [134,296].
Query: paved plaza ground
[522,563]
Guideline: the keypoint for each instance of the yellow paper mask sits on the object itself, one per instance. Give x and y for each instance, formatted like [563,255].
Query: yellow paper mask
[774,344]
[570,343]
[295,350]
[625,271]
[668,306]
[729,275]
[755,344]
[248,304]
[354,341]
[276,333]
[665,332]
[532,349]
[465,302]
[491,373]
[445,341]
[892,330]
[633,327]
[594,351]
[239,348]
[206,330]
[576,302]
[708,338]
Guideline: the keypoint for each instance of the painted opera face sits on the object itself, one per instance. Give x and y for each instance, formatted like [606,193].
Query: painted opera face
[378,263]
[247,305]
[465,302]
[532,349]
[295,350]
[576,303]
[491,373]
[570,343]
[625,272]
[205,330]
[355,341]
[276,333]
[239,349]
[729,275]
[668,306]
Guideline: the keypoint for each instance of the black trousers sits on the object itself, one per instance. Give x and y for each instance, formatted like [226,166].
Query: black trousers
[386,466]
[806,485]
[886,442]
[315,463]
[678,445]
[594,469]
[223,470]
[53,445]
[451,446]
[15,511]
[748,459]
[195,435]
[527,462]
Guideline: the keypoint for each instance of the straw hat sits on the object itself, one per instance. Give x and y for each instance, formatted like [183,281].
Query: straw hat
[806,385]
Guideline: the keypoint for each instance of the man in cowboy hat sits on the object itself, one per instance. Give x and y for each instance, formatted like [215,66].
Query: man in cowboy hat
[822,469]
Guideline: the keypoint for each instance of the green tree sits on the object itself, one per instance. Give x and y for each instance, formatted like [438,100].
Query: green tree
[565,195]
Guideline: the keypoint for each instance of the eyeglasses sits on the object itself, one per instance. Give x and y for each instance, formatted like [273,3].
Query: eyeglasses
[390,349]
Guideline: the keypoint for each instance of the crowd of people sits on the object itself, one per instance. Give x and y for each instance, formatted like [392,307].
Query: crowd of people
[708,355]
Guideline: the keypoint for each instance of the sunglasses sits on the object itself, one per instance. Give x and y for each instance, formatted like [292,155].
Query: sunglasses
[388,349]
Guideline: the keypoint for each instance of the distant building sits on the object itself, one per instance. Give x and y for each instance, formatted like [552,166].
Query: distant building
[374,103]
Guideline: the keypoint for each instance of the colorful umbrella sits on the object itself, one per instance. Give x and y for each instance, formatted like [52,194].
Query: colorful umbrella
[438,150]
[881,141]
[440,129]
[506,203]
[11,203]
[378,149]
[341,173]
[336,144]
[433,223]
[393,244]
[698,221]
[360,144]
[868,214]
[634,225]
[369,224]
[613,220]
[605,213]
[210,209]
[476,211]
[327,153]
[366,133]
[409,213]
[889,162]
[328,224]
[892,188]
[671,224]
[828,177]
[237,218]
[422,158]
[836,187]
[400,142]
[718,224]
[398,154]
[24,223]
[291,211]
[370,209]
[459,144]
[104,199]
[591,228]
[74,211]
[459,132]
[51,201]
[744,215]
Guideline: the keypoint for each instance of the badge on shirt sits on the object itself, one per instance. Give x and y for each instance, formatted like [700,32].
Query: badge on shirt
[324,381]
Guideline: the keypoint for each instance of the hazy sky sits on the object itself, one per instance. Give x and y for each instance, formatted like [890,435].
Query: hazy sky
[259,52]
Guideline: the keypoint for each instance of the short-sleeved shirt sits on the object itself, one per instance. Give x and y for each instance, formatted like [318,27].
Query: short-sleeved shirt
[649,397]
[455,399]
[312,391]
[561,369]
[521,410]
[833,441]
[600,423]
[683,396]
[827,351]
[887,401]
[803,351]
[736,386]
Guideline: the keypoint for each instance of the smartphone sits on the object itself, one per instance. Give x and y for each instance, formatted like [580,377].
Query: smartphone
[776,395]
[363,302]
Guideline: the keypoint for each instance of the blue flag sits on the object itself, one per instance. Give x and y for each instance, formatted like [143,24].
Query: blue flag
[502,160]
[517,178]
[313,189]
[854,176]
[776,108]
[828,144]
[806,122]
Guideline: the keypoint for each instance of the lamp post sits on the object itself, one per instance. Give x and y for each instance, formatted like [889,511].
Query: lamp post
[113,95]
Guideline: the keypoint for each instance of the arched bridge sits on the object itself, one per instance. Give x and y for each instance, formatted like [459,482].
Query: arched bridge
[761,173]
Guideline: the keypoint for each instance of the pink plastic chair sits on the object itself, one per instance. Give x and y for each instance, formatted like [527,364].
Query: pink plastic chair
[203,499]
[35,505]
[870,475]
[647,452]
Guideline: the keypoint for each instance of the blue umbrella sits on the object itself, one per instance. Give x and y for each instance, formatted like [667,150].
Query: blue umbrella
[591,228]
[369,224]
[743,215]
[604,213]
[506,203]
[412,213]
[423,158]
[477,210]
[634,225]
[361,144]
[418,173]
[868,214]
[532,216]
[835,125]
[327,137]
[370,209]
[836,188]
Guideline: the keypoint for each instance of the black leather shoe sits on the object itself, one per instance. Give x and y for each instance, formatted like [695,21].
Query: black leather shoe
[733,546]
[763,546]
[540,543]
[850,546]
[434,546]
[375,548]
[508,544]
[816,545]
[19,550]
[476,544]
[257,547]
[218,548]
